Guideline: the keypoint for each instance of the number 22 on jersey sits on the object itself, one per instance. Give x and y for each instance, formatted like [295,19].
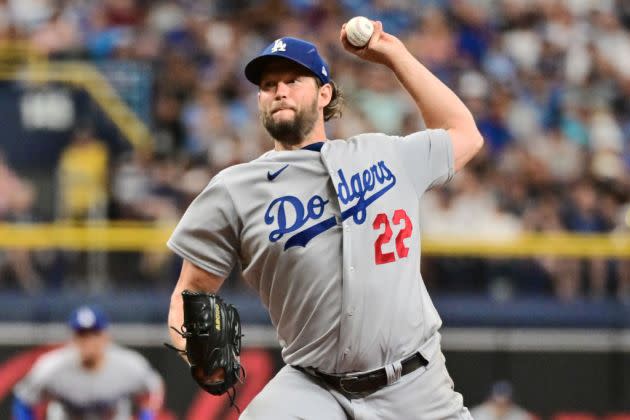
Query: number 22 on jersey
[400,219]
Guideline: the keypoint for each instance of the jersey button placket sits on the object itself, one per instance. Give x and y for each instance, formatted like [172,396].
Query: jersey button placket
[346,228]
[348,271]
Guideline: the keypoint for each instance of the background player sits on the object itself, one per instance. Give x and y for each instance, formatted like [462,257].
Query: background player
[500,405]
[357,327]
[90,378]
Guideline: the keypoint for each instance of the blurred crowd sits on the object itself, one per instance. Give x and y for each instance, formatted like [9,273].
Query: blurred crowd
[548,82]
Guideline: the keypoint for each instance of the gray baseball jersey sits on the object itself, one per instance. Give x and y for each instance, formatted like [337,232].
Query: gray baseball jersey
[330,240]
[101,394]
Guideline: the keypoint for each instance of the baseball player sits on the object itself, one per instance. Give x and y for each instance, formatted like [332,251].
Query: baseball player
[327,233]
[90,378]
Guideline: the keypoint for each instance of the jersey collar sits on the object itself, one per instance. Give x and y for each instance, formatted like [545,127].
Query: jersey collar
[315,147]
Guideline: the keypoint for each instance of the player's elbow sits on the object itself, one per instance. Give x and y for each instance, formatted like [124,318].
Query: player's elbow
[473,136]
[466,144]
[477,142]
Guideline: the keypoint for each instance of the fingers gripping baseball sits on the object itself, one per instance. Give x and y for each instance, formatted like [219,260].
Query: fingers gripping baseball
[380,47]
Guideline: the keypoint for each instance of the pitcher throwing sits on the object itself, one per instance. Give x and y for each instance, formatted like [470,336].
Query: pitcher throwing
[327,232]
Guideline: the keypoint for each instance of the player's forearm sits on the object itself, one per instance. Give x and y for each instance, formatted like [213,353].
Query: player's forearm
[176,319]
[440,106]
[194,279]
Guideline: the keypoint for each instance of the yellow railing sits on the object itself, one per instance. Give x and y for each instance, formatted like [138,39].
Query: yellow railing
[532,244]
[131,236]
[110,237]
[18,61]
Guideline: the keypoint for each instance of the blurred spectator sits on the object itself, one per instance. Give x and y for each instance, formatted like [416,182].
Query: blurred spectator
[544,216]
[607,146]
[59,34]
[210,135]
[16,199]
[145,187]
[561,159]
[28,15]
[377,99]
[150,188]
[623,226]
[584,215]
[83,174]
[500,405]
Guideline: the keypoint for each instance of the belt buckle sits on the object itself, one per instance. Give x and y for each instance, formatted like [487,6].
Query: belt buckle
[345,379]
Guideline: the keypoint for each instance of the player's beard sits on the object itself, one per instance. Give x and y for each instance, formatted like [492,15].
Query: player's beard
[291,132]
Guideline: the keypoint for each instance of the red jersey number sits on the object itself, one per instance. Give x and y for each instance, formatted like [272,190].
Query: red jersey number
[380,257]
[400,219]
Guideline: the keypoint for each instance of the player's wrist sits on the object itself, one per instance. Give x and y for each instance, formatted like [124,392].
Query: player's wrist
[403,64]
[398,59]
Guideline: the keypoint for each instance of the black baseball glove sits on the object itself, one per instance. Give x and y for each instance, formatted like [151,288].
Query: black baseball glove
[212,329]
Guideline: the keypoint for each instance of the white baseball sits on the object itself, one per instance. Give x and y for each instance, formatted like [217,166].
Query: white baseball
[359,31]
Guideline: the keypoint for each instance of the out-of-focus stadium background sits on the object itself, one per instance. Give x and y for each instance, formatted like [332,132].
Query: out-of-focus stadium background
[114,114]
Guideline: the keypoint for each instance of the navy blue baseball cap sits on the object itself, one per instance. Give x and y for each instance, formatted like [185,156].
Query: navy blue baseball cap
[293,49]
[88,318]
[501,389]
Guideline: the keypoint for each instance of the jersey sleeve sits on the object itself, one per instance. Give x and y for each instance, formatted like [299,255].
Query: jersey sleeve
[149,379]
[144,381]
[32,387]
[427,157]
[152,381]
[207,235]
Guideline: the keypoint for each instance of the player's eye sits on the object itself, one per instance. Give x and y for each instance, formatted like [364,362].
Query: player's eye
[291,81]
[268,85]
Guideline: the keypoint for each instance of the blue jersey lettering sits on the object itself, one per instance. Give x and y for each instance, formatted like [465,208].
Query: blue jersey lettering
[356,190]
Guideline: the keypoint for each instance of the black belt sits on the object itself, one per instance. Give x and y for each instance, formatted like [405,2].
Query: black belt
[363,384]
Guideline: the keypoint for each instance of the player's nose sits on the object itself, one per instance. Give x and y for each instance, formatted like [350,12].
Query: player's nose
[282,90]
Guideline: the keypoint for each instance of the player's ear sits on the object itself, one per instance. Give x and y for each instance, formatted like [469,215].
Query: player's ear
[258,99]
[325,95]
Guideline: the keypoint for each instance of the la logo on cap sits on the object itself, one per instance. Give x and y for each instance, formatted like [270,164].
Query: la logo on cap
[278,45]
[86,318]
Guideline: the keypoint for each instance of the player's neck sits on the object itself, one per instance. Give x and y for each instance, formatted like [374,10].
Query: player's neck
[317,135]
[93,364]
